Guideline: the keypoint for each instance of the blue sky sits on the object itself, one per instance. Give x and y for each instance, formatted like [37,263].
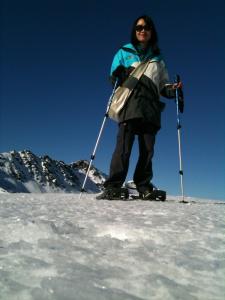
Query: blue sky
[55,62]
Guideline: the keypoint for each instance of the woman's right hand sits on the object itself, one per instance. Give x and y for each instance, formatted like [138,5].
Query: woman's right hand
[121,73]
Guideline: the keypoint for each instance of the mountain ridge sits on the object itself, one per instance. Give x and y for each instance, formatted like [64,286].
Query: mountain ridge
[23,171]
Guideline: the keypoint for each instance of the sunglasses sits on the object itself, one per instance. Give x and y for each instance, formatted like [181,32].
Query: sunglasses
[139,28]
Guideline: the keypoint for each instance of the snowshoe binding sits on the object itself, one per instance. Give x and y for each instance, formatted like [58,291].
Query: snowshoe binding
[113,194]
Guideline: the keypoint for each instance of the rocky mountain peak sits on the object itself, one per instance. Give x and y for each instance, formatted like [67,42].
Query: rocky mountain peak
[23,171]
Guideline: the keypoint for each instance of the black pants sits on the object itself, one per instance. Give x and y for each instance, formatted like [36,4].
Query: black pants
[143,174]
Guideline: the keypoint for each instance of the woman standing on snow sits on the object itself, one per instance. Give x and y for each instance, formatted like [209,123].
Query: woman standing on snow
[141,114]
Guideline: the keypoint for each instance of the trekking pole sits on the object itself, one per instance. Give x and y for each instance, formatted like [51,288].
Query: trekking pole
[98,138]
[179,105]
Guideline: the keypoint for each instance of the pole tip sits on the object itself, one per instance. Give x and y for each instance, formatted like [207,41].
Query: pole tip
[81,192]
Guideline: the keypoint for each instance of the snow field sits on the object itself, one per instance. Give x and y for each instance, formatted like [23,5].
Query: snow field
[57,246]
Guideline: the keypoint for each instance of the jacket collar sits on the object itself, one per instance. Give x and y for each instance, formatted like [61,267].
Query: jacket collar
[144,56]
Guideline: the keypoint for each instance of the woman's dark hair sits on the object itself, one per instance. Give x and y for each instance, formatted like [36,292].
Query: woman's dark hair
[153,43]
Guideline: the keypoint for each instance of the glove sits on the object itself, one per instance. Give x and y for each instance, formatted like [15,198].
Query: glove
[119,71]
[121,74]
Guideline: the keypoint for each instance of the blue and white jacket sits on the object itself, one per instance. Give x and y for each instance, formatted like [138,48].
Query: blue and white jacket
[144,101]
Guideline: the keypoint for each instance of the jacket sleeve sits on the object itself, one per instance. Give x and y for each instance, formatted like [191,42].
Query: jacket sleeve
[117,61]
[118,70]
[166,89]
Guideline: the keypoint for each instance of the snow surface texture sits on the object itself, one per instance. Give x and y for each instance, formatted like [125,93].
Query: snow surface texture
[60,247]
[25,172]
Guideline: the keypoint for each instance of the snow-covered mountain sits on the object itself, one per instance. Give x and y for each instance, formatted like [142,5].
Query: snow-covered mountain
[23,171]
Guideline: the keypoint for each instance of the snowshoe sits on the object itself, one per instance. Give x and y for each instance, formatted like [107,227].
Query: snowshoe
[113,194]
[152,194]
[155,195]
